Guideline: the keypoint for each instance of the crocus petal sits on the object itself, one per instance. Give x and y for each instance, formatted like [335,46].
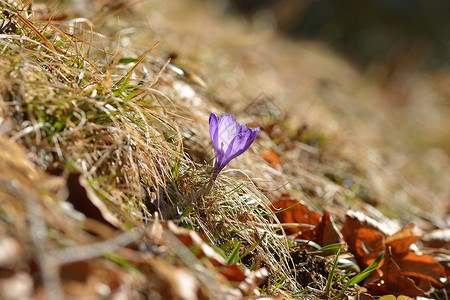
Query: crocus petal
[252,137]
[220,160]
[230,139]
[241,143]
[228,129]
[214,129]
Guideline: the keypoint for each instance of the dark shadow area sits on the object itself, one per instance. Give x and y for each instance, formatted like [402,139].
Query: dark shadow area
[375,31]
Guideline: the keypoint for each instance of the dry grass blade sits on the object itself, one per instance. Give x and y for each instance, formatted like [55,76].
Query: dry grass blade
[124,81]
[30,25]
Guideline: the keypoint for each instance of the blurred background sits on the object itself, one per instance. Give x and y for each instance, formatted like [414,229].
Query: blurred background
[396,32]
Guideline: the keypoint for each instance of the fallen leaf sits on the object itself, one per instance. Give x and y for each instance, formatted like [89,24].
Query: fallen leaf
[323,230]
[83,198]
[171,282]
[290,211]
[393,281]
[402,240]
[420,268]
[364,241]
[443,257]
[326,232]
[402,271]
[192,239]
[272,158]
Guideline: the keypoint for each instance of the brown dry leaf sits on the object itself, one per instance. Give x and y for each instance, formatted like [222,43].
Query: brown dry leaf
[272,158]
[364,241]
[75,281]
[162,279]
[232,273]
[192,239]
[393,281]
[402,240]
[438,242]
[443,257]
[421,268]
[289,210]
[324,231]
[170,282]
[402,271]
[244,281]
[84,279]
[99,219]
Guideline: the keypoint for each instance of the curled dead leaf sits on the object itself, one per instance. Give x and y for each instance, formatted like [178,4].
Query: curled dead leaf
[392,280]
[323,230]
[402,271]
[289,210]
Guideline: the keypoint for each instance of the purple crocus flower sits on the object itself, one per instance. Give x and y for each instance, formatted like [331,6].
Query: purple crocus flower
[230,139]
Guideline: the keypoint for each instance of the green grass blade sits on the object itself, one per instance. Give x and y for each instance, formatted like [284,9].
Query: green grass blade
[361,276]
[366,272]
[252,247]
[328,248]
[331,274]
[234,257]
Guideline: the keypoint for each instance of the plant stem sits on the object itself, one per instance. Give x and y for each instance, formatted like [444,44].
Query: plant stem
[211,182]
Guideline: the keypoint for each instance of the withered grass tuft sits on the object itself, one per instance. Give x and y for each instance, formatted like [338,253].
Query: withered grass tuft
[70,104]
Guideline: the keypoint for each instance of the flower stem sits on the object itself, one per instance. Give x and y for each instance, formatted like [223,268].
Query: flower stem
[211,182]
